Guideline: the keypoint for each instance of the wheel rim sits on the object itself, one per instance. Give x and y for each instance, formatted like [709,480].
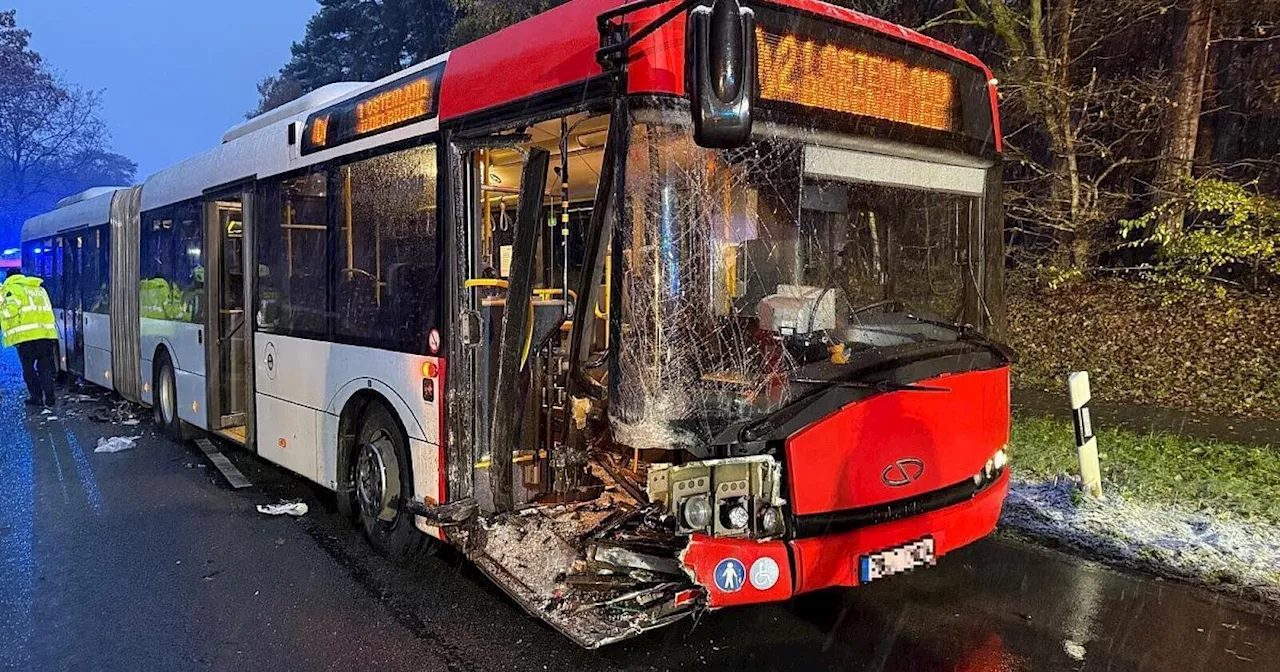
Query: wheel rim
[168,401]
[372,484]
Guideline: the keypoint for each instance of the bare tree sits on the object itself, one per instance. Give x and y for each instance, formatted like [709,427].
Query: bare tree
[1075,119]
[51,137]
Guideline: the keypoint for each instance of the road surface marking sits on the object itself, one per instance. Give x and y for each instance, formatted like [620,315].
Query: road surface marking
[85,470]
[229,471]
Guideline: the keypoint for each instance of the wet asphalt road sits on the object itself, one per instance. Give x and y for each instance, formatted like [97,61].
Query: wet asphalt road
[146,559]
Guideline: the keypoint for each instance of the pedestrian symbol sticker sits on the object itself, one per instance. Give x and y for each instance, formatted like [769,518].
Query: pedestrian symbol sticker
[730,574]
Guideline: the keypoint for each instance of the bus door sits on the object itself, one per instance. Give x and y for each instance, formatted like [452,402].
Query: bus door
[63,287]
[73,313]
[547,252]
[494,178]
[226,289]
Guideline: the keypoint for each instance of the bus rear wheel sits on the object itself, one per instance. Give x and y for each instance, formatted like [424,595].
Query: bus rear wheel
[381,476]
[165,401]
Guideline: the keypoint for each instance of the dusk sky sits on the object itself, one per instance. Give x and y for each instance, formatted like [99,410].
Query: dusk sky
[174,74]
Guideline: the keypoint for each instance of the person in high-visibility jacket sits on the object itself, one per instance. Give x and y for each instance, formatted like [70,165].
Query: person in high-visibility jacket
[26,319]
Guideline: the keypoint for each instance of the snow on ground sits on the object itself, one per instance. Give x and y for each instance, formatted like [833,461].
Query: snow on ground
[1153,537]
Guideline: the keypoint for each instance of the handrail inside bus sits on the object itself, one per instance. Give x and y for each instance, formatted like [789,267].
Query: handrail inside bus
[486,282]
[541,292]
[503,284]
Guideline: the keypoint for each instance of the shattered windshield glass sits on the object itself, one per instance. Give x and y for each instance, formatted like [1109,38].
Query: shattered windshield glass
[743,266]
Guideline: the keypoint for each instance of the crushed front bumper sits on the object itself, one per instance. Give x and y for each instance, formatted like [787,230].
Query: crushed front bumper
[742,571]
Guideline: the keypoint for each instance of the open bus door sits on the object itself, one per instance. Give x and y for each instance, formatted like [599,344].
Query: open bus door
[227,283]
[487,273]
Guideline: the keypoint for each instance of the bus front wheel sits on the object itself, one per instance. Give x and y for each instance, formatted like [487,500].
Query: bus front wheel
[380,476]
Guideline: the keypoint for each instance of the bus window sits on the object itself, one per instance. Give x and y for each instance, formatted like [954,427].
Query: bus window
[90,251]
[291,239]
[45,269]
[157,234]
[102,293]
[171,270]
[386,288]
[53,280]
[188,267]
[154,262]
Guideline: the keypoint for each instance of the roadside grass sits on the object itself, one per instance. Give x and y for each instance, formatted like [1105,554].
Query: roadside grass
[1218,479]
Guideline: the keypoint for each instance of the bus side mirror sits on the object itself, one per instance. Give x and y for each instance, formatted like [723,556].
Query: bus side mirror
[720,72]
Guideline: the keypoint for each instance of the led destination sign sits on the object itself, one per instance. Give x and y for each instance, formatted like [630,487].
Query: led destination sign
[406,101]
[810,72]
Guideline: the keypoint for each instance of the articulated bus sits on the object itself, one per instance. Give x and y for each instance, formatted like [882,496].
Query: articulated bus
[647,308]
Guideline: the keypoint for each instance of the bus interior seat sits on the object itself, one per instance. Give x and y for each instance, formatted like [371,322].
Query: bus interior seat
[307,319]
[407,284]
[357,300]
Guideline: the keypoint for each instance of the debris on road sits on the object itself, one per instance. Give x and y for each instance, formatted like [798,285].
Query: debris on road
[120,412]
[116,444]
[284,509]
[599,571]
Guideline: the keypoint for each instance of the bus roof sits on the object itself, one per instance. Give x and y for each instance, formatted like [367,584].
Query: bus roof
[307,101]
[553,51]
[89,208]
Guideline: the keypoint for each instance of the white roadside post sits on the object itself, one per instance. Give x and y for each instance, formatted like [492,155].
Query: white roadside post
[1086,442]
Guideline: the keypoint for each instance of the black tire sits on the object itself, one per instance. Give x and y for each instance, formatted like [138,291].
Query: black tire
[378,485]
[164,401]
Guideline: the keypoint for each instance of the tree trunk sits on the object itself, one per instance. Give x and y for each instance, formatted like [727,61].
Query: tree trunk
[1184,119]
[1055,50]
[1210,114]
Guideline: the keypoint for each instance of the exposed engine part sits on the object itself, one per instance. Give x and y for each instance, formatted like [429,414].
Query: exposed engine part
[570,472]
[631,487]
[798,310]
[621,516]
[444,515]
[731,497]
[598,571]
[622,557]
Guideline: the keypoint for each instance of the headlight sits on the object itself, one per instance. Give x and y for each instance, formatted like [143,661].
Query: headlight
[734,515]
[696,513]
[771,521]
[723,497]
[993,466]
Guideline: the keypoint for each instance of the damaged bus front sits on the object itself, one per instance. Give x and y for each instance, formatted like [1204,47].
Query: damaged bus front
[769,363]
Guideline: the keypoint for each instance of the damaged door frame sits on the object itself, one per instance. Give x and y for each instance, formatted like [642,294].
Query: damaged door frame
[459,191]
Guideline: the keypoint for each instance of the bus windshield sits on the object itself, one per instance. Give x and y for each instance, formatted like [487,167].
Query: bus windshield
[745,268]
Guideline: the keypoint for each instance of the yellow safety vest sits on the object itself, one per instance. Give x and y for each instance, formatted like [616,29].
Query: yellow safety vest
[26,314]
[160,300]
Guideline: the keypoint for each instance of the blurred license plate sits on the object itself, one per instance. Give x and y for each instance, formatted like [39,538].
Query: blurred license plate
[896,560]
